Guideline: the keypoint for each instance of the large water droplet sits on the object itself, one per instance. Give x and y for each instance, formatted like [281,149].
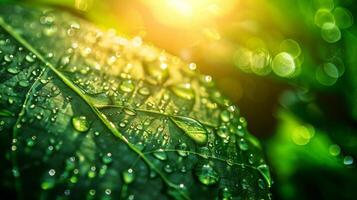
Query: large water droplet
[207,175]
[264,171]
[80,123]
[192,128]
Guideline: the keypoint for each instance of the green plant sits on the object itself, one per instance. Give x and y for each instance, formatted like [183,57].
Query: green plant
[89,114]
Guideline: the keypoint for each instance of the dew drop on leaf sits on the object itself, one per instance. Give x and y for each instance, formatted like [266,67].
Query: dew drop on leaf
[182,149]
[128,176]
[225,116]
[243,145]
[223,131]
[160,154]
[264,171]
[144,91]
[107,158]
[13,70]
[48,184]
[192,128]
[80,123]
[127,86]
[183,90]
[206,174]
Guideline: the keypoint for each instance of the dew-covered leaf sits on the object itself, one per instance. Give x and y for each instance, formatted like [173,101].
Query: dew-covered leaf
[87,114]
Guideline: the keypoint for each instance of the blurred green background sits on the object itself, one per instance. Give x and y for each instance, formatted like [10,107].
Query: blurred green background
[290,65]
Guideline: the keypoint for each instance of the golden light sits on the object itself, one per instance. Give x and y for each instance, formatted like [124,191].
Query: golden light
[188,13]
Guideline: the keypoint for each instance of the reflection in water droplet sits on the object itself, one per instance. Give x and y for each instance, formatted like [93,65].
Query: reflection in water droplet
[206,174]
[80,123]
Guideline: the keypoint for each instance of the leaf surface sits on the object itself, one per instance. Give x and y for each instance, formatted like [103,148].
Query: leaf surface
[89,114]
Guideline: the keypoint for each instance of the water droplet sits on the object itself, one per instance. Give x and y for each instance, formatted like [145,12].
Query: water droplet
[192,128]
[168,169]
[283,64]
[184,91]
[129,111]
[160,154]
[264,171]
[52,172]
[243,145]
[225,116]
[80,123]
[107,158]
[8,58]
[225,194]
[128,176]
[48,184]
[335,150]
[29,58]
[24,83]
[182,149]
[144,91]
[223,131]
[207,175]
[13,70]
[348,160]
[127,86]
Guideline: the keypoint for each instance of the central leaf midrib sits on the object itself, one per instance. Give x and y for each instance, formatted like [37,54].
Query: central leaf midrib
[78,91]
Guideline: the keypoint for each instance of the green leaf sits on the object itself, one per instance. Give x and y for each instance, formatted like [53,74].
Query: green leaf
[98,116]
